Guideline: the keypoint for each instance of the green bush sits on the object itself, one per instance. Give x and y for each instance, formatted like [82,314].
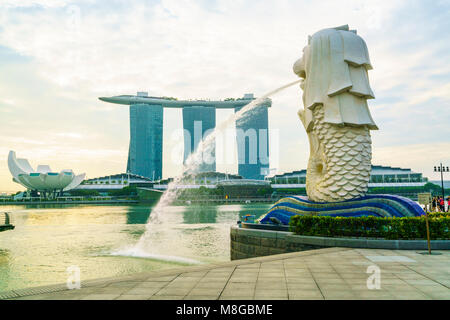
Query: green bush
[370,227]
[438,214]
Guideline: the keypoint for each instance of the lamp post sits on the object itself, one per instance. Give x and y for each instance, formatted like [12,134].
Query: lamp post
[442,169]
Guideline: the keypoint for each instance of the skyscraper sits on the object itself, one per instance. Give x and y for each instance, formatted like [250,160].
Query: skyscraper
[252,135]
[146,140]
[199,119]
[198,122]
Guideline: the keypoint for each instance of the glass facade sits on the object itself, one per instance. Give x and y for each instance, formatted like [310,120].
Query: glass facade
[198,122]
[146,141]
[252,135]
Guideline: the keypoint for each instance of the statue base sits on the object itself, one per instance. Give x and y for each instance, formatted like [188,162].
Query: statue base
[378,205]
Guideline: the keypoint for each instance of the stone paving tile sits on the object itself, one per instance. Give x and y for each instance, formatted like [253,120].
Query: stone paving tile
[398,287]
[238,292]
[123,284]
[271,275]
[271,285]
[272,263]
[333,287]
[214,279]
[373,295]
[240,285]
[354,275]
[210,285]
[43,297]
[181,284]
[163,279]
[295,271]
[195,274]
[217,275]
[142,291]
[249,266]
[237,297]
[225,269]
[304,294]
[101,296]
[358,286]
[205,292]
[388,281]
[243,279]
[133,297]
[270,294]
[173,292]
[439,295]
[302,286]
[333,273]
[436,288]
[201,297]
[410,276]
[113,290]
[294,280]
[64,295]
[328,281]
[172,297]
[325,275]
[244,272]
[271,279]
[419,282]
[338,295]
[152,284]
[408,295]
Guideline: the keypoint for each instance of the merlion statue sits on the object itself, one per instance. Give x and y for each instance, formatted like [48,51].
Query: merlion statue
[336,117]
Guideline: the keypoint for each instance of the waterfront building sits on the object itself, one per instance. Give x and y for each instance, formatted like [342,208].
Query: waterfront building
[43,179]
[380,176]
[122,180]
[115,182]
[199,118]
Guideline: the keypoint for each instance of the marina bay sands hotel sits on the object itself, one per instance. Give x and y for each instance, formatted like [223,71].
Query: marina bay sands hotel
[146,132]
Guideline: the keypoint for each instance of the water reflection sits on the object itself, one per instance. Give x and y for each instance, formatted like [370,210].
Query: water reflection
[138,214]
[199,214]
[48,239]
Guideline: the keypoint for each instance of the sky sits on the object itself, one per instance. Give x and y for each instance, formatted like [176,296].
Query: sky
[57,57]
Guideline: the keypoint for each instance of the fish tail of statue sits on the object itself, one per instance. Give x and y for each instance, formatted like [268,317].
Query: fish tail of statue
[340,160]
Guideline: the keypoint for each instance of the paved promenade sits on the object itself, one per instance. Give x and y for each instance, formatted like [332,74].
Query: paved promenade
[332,273]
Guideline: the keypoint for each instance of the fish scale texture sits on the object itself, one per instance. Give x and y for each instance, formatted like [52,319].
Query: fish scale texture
[340,162]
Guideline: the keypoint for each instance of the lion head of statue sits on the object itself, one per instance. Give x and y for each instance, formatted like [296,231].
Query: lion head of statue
[334,67]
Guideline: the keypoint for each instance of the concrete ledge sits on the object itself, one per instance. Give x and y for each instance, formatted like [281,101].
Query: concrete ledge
[248,243]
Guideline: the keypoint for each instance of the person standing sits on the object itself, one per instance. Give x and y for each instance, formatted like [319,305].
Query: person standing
[441,204]
[448,204]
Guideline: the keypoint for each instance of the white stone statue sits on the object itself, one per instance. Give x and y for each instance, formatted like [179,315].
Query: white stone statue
[336,117]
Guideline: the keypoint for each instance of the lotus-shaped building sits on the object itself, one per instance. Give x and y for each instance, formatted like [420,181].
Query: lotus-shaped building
[42,179]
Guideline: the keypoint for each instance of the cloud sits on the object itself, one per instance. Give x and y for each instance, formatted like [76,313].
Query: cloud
[57,57]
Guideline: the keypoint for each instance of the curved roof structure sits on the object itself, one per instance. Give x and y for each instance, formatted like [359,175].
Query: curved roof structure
[42,179]
[173,103]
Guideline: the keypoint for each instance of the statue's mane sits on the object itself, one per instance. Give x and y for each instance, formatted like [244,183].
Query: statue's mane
[336,63]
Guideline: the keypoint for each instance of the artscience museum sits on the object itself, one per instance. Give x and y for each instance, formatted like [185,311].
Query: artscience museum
[43,179]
